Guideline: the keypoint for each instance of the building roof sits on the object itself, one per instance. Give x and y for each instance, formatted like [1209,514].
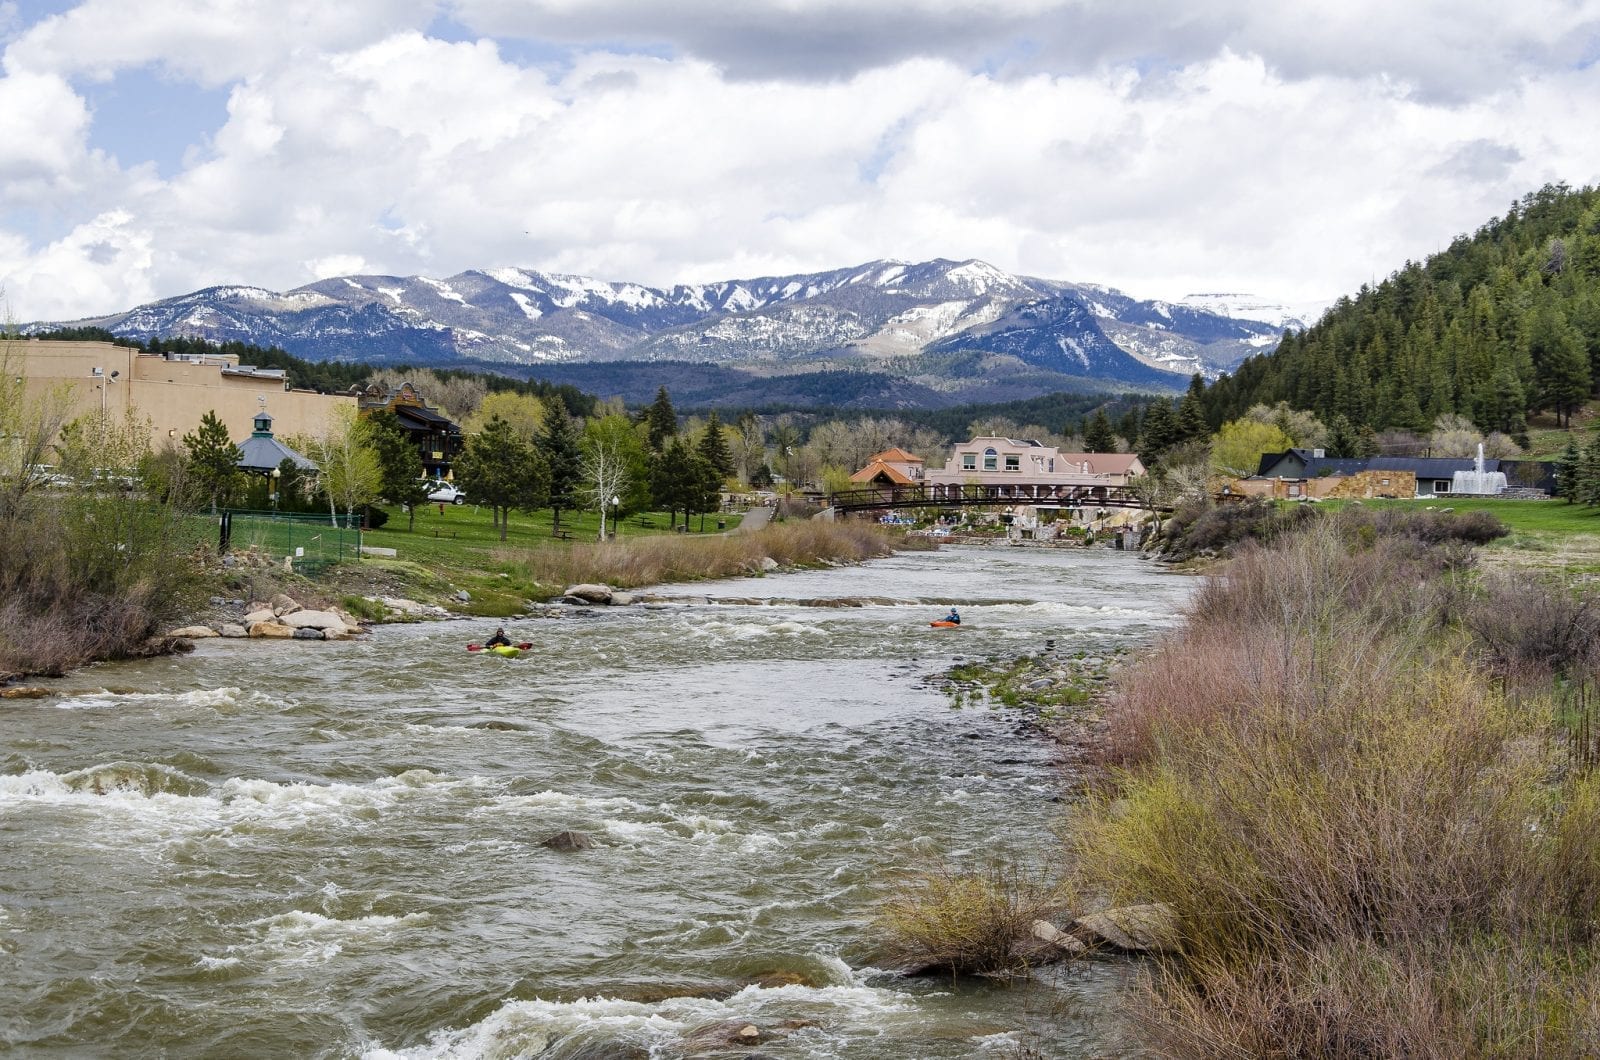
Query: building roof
[429,418]
[896,454]
[263,453]
[1428,467]
[1104,463]
[1319,466]
[878,467]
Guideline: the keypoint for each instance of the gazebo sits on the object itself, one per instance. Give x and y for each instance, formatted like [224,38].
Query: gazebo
[262,454]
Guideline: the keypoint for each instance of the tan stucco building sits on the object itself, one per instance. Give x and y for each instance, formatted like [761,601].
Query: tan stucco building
[172,391]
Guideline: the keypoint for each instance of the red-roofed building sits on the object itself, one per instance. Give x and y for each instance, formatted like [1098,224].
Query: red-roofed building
[892,467]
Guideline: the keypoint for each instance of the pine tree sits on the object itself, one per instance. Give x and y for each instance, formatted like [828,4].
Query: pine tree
[1567,473]
[1097,434]
[399,463]
[1191,419]
[558,444]
[714,448]
[213,460]
[662,421]
[498,469]
[1160,430]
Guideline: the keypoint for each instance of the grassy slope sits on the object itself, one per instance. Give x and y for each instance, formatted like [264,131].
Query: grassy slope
[461,549]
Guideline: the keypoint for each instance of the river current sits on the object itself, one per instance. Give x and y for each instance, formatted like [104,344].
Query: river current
[334,849]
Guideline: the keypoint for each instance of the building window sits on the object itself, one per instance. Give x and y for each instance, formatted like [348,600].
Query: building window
[969,461]
[1441,485]
[1294,490]
[1052,465]
[1013,463]
[990,460]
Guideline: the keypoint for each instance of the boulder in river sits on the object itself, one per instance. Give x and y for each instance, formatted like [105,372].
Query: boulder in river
[271,629]
[569,841]
[193,632]
[24,692]
[232,629]
[588,593]
[284,605]
[318,620]
[1150,928]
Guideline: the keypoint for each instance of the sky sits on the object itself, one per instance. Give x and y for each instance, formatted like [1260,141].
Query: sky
[1289,150]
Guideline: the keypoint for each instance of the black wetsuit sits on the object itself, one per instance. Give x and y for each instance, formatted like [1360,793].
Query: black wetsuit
[498,640]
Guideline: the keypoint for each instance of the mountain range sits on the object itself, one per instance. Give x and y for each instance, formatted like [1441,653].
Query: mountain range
[890,333]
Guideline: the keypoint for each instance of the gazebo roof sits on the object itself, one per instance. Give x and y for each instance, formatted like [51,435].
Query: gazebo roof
[261,452]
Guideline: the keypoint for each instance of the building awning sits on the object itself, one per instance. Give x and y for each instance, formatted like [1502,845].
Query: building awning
[425,417]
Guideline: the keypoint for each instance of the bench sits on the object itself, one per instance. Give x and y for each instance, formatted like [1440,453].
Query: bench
[565,535]
[443,533]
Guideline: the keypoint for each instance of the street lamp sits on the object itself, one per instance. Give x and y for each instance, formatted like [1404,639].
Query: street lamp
[277,473]
[616,503]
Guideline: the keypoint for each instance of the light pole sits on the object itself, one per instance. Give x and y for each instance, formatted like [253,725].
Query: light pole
[277,473]
[616,503]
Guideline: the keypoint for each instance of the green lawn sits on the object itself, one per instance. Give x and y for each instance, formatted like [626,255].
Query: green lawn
[1544,534]
[462,547]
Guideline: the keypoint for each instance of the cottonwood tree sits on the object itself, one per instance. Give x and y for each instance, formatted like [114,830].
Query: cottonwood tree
[349,469]
[525,412]
[1239,445]
[613,467]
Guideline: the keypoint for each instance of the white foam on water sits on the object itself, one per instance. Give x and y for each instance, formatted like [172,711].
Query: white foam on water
[221,700]
[124,795]
[528,1028]
[558,800]
[303,937]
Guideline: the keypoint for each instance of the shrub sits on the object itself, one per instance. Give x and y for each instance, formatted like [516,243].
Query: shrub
[965,920]
[1534,627]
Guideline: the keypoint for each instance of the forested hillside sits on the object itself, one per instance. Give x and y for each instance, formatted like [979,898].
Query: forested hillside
[1502,325]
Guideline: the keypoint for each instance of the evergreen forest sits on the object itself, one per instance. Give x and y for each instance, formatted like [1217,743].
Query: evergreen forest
[1502,325]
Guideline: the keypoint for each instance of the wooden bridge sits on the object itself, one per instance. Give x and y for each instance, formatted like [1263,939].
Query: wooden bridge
[924,495]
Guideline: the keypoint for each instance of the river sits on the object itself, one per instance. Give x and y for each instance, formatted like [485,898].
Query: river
[334,849]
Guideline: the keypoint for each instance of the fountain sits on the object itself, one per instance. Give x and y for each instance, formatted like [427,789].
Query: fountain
[1478,481]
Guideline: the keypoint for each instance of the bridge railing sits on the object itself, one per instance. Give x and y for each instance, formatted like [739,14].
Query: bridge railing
[973,494]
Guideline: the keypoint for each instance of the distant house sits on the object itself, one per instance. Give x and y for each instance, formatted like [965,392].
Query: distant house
[1019,464]
[438,440]
[1309,473]
[892,467]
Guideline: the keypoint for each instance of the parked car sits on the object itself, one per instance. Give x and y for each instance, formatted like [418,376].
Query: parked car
[445,493]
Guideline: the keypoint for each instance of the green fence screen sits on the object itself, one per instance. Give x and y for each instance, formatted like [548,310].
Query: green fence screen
[309,542]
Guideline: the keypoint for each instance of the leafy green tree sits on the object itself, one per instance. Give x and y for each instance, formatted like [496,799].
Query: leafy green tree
[616,470]
[661,421]
[346,462]
[563,461]
[1563,366]
[1239,445]
[399,464]
[213,461]
[1097,434]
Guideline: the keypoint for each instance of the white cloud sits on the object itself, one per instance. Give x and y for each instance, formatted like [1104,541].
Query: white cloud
[362,144]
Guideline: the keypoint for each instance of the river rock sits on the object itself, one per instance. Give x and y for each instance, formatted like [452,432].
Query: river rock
[401,604]
[24,692]
[232,629]
[1151,928]
[589,594]
[194,632]
[308,633]
[621,599]
[1047,932]
[722,1034]
[259,614]
[284,605]
[768,563]
[569,841]
[271,629]
[318,620]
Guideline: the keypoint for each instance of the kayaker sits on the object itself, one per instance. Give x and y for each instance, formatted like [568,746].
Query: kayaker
[953,616]
[498,640]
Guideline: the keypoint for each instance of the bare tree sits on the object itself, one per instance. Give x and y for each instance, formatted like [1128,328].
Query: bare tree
[606,478]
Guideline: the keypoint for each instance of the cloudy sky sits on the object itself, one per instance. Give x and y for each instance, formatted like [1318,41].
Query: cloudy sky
[1289,149]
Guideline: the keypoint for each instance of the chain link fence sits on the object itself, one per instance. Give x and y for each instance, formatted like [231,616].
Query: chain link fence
[310,542]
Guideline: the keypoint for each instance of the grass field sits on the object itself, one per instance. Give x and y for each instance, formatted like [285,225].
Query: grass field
[1544,534]
[460,548]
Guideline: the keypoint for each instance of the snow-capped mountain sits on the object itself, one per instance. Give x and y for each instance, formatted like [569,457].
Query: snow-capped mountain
[940,324]
[1298,316]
